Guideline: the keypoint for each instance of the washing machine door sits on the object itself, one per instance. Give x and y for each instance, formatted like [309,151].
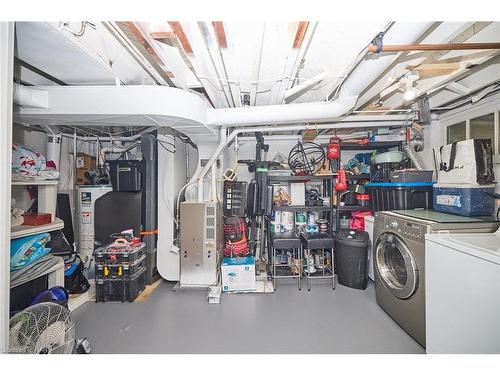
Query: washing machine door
[396,265]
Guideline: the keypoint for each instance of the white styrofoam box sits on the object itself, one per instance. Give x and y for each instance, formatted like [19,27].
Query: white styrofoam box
[238,274]
[298,193]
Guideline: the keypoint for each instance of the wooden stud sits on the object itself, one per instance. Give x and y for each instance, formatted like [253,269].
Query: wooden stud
[299,35]
[179,32]
[220,33]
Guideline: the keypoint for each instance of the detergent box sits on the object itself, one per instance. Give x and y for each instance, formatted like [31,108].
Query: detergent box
[238,274]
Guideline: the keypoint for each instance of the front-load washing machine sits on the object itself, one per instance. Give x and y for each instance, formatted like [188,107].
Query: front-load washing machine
[399,259]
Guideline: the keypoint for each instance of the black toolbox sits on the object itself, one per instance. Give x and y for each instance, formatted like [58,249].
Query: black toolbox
[108,270]
[125,288]
[119,254]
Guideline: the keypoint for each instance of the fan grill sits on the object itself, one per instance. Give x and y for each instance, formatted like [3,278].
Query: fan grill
[42,328]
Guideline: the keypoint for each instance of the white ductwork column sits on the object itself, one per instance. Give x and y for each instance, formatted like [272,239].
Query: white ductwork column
[27,97]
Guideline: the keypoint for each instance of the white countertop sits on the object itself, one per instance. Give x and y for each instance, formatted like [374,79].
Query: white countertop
[481,245]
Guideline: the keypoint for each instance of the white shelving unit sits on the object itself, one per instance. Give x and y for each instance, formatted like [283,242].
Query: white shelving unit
[47,198]
[47,194]
[27,230]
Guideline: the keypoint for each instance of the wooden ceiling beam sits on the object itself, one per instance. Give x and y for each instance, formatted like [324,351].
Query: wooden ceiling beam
[149,49]
[299,35]
[179,32]
[159,35]
[220,33]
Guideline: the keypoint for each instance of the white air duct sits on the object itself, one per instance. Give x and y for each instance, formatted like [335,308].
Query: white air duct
[358,80]
[30,98]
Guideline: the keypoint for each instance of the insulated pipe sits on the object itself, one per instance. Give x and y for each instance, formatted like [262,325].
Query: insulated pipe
[30,98]
[363,74]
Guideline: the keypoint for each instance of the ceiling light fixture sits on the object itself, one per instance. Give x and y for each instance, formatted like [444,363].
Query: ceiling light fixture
[410,92]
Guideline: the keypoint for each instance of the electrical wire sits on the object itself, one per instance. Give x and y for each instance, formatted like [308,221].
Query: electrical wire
[162,144]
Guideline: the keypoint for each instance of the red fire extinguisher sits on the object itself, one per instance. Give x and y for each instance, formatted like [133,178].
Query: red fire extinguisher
[333,149]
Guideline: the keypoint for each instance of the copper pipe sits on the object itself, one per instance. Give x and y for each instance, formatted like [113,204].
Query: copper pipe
[434,47]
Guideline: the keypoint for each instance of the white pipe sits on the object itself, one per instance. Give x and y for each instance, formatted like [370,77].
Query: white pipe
[54,148]
[30,98]
[214,182]
[296,91]
[368,70]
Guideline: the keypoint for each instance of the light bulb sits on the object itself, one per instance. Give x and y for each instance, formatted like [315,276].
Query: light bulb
[409,95]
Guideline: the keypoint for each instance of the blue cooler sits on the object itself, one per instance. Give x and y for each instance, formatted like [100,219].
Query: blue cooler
[465,200]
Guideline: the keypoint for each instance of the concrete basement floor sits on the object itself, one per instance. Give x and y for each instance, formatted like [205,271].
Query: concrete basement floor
[288,321]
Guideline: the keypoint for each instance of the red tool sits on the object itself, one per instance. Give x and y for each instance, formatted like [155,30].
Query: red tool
[341,184]
[333,148]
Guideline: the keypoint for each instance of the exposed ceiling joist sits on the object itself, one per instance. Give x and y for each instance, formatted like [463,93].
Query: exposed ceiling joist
[299,35]
[220,33]
[179,32]
[458,88]
[133,33]
[481,76]
[431,86]
[439,33]
[294,60]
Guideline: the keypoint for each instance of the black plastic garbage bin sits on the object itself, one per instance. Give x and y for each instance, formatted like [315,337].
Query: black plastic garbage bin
[351,256]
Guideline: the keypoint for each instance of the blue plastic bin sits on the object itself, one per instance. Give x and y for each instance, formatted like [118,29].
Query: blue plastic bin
[464,200]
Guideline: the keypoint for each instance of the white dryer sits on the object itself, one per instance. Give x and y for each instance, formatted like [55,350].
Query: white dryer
[463,293]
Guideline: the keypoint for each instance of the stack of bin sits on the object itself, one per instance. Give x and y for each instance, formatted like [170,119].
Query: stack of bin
[120,272]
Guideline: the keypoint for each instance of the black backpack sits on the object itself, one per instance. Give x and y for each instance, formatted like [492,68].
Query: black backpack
[74,280]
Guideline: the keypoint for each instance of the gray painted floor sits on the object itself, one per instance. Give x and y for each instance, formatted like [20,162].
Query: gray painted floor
[288,321]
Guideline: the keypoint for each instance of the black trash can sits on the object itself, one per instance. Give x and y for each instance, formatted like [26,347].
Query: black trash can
[351,257]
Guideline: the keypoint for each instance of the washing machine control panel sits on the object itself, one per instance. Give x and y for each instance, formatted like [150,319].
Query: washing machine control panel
[406,229]
[414,231]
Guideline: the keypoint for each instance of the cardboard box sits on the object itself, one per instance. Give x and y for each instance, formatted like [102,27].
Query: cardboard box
[238,274]
[83,163]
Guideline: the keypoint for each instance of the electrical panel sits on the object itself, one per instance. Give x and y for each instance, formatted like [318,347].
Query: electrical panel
[201,239]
